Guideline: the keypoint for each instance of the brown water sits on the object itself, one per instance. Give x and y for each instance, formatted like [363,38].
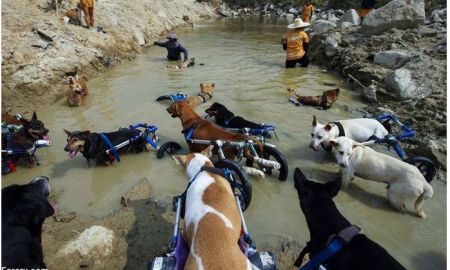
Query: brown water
[245,61]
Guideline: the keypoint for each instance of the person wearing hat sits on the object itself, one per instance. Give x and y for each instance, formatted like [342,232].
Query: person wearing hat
[308,11]
[296,44]
[174,48]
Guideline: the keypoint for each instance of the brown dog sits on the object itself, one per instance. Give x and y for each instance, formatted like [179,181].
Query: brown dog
[212,224]
[206,92]
[325,101]
[10,119]
[202,129]
[77,91]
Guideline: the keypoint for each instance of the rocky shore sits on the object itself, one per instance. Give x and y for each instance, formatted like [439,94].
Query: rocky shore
[39,51]
[398,58]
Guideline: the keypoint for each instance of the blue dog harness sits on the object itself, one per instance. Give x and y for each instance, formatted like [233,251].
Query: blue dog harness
[336,244]
[112,148]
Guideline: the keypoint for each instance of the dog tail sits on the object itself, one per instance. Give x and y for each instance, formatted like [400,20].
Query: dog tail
[427,193]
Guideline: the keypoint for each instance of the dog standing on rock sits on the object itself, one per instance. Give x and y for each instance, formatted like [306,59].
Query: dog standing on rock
[405,182]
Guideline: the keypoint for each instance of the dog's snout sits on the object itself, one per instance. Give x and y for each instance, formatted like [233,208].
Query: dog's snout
[342,165]
[66,148]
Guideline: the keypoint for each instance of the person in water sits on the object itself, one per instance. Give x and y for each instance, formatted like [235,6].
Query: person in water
[308,11]
[296,44]
[174,48]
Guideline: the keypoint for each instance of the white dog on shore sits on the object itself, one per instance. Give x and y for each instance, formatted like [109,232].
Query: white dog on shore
[405,180]
[360,130]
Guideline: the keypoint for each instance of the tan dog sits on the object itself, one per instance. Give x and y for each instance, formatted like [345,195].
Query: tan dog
[77,91]
[206,92]
[212,224]
[325,101]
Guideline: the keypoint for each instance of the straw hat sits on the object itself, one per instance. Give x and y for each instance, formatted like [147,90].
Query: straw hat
[297,24]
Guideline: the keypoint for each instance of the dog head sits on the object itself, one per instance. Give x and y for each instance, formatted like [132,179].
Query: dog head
[343,148]
[193,162]
[330,96]
[311,193]
[176,109]
[216,109]
[77,85]
[320,134]
[207,88]
[76,141]
[34,128]
[27,205]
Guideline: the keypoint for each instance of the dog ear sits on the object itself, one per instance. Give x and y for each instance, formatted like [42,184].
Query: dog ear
[314,123]
[328,127]
[71,80]
[67,132]
[213,84]
[208,151]
[180,159]
[299,178]
[333,187]
[333,142]
[34,116]
[177,109]
[86,133]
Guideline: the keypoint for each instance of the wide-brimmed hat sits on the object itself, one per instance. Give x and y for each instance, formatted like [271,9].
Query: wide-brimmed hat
[172,36]
[298,23]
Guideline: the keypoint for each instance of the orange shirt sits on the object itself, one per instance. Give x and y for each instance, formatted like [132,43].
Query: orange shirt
[295,40]
[307,12]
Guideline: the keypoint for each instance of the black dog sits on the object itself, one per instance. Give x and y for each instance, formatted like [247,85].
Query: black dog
[227,119]
[92,146]
[325,220]
[31,131]
[24,209]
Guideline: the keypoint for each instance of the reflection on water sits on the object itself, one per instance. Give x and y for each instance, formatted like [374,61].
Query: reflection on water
[245,60]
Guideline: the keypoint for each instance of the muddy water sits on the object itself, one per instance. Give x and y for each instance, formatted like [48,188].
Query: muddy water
[245,61]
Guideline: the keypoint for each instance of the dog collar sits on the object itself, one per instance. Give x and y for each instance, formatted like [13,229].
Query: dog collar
[340,127]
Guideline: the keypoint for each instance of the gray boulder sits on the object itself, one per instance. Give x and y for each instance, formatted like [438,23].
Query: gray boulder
[369,93]
[402,83]
[321,26]
[345,25]
[95,242]
[396,14]
[331,44]
[391,59]
[293,11]
[351,16]
[439,16]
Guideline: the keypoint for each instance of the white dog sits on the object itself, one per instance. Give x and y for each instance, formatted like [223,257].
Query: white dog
[405,180]
[360,130]
[212,223]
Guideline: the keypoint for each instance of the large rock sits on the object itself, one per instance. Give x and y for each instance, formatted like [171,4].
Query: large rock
[392,59]
[94,243]
[439,16]
[369,93]
[435,150]
[321,26]
[396,14]
[351,16]
[331,44]
[402,83]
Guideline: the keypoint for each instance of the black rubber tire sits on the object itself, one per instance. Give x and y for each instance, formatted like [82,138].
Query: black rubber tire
[240,180]
[269,152]
[425,166]
[169,148]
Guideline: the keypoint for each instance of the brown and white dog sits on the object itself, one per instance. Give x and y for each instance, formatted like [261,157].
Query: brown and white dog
[325,101]
[77,91]
[206,92]
[182,64]
[212,223]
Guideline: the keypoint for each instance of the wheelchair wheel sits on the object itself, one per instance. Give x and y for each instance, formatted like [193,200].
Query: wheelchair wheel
[240,183]
[169,148]
[425,166]
[271,153]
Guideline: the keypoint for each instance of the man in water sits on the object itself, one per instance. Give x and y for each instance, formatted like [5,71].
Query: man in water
[308,11]
[296,44]
[174,48]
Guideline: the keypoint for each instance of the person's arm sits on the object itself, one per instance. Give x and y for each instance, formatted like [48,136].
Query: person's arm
[305,42]
[185,52]
[160,44]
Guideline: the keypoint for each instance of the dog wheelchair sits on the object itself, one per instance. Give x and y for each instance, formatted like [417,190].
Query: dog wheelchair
[174,97]
[425,165]
[178,251]
[262,133]
[148,133]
